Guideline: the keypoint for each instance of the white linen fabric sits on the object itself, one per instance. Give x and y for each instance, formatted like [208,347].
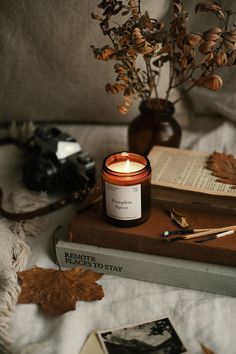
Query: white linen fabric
[198,316]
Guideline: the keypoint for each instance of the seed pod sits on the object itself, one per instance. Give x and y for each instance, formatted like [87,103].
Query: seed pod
[231,36]
[221,58]
[213,34]
[189,52]
[206,47]
[193,39]
[207,58]
[227,44]
[211,82]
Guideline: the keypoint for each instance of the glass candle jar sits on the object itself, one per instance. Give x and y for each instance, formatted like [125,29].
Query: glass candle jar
[126,180]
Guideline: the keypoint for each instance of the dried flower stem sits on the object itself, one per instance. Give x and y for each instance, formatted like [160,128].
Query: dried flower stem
[193,57]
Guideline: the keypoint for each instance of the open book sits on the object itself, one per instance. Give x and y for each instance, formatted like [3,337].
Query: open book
[157,336]
[181,176]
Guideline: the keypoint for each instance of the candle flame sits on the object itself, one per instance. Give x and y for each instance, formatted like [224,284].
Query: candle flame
[127,166]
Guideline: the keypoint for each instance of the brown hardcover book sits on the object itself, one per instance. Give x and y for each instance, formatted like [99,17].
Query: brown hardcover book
[181,175]
[89,227]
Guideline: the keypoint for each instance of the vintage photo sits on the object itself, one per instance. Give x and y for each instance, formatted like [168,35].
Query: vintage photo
[155,337]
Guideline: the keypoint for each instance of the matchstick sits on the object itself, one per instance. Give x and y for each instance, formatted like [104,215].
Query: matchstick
[209,232]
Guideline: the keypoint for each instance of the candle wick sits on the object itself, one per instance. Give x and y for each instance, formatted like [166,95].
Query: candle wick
[127,166]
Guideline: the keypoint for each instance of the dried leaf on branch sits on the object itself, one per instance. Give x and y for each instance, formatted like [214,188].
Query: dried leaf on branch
[223,166]
[137,36]
[57,291]
[211,82]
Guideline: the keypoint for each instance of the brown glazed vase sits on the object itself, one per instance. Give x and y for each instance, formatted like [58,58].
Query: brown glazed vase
[154,126]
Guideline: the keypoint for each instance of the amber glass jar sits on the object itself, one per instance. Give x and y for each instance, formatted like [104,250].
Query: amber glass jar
[155,125]
[126,180]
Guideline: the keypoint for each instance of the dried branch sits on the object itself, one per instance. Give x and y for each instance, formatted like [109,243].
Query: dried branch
[194,58]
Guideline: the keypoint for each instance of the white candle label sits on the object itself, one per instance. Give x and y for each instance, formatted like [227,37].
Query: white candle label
[123,202]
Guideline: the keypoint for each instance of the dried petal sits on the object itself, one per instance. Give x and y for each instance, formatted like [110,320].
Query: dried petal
[221,58]
[114,88]
[133,8]
[179,218]
[120,69]
[211,35]
[96,17]
[105,53]
[232,58]
[166,48]
[206,47]
[210,7]
[124,40]
[227,44]
[231,35]
[180,38]
[207,58]
[194,39]
[211,82]
[178,7]
[125,107]
[142,46]
[183,62]
[146,22]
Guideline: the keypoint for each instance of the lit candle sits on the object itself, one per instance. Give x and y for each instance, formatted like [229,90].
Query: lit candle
[126,166]
[126,188]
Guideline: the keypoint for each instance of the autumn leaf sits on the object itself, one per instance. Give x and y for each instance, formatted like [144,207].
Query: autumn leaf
[222,166]
[206,350]
[179,218]
[57,291]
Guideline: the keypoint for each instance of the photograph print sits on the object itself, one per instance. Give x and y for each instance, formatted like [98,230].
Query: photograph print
[156,337]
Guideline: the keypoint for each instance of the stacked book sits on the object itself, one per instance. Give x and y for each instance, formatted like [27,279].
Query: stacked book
[140,252]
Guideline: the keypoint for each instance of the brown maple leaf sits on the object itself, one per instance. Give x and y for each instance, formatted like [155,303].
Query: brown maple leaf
[206,350]
[57,291]
[223,166]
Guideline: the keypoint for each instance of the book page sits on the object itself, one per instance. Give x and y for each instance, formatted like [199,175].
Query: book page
[185,170]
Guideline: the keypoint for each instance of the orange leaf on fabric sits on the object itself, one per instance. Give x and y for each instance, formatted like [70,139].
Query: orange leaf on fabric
[223,166]
[57,291]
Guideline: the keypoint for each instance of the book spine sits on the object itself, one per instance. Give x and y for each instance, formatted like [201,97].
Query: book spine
[163,270]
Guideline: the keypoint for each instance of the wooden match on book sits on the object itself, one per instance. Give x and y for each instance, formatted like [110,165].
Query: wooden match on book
[202,233]
[181,232]
[213,237]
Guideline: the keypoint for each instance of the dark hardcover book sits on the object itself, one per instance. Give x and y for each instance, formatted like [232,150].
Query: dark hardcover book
[89,227]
